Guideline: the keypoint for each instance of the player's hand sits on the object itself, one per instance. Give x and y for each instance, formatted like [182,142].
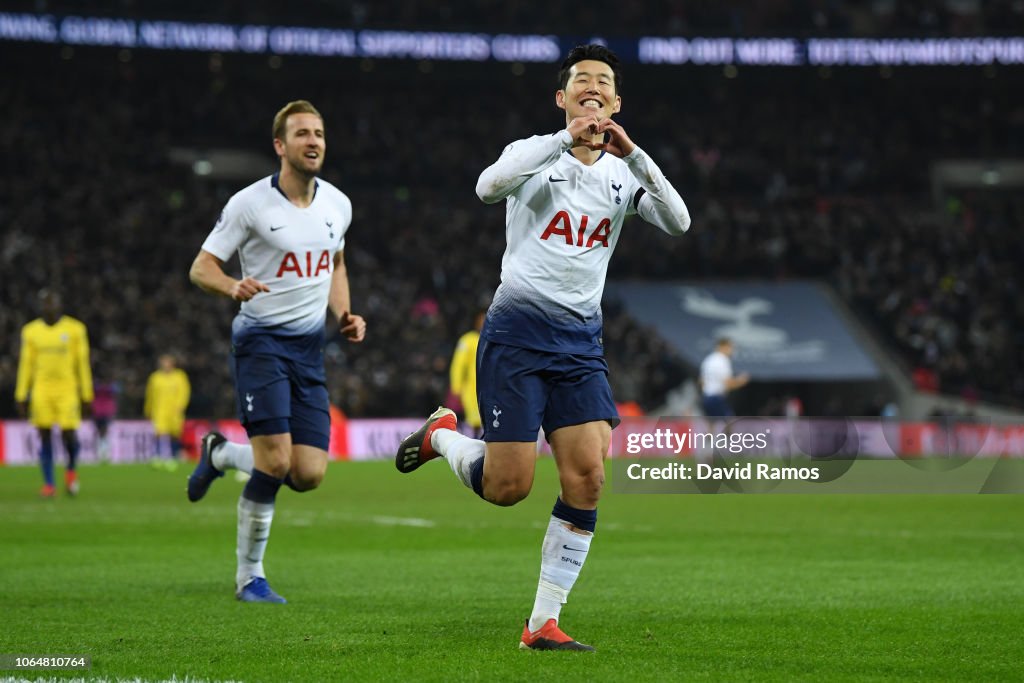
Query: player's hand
[86,409]
[580,126]
[247,288]
[743,379]
[352,326]
[617,143]
[22,409]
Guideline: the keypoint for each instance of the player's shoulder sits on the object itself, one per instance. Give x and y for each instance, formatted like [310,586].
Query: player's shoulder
[72,323]
[264,187]
[32,326]
[254,194]
[333,193]
[532,139]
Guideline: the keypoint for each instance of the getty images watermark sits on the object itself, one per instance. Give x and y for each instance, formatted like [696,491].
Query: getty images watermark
[817,455]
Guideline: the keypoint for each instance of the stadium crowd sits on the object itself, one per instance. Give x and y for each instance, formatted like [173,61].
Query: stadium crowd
[787,175]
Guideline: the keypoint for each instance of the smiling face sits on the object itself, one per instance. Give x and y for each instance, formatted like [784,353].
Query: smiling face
[589,90]
[304,144]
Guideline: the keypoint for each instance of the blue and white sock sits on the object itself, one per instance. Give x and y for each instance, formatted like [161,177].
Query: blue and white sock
[464,455]
[255,513]
[562,556]
[233,456]
[238,456]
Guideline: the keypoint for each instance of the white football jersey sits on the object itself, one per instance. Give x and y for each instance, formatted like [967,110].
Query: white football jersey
[290,250]
[563,220]
[715,371]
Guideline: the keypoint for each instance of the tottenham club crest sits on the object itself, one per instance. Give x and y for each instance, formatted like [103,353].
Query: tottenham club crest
[618,199]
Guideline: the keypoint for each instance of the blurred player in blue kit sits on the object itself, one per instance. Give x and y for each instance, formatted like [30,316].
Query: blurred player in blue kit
[289,232]
[540,362]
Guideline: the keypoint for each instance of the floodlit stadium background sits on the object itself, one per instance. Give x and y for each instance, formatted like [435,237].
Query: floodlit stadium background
[853,174]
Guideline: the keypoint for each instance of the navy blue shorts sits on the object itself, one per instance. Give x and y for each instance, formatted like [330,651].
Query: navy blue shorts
[716,406]
[520,391]
[282,386]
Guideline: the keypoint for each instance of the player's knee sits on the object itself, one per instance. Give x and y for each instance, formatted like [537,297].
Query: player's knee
[584,487]
[506,492]
[275,461]
[306,478]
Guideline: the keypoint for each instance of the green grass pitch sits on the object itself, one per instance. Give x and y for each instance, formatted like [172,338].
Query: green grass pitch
[396,578]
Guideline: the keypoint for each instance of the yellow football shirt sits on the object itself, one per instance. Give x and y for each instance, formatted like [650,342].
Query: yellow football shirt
[54,373]
[54,360]
[167,397]
[462,376]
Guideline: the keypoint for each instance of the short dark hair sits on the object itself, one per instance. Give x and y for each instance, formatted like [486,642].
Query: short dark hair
[296,107]
[598,53]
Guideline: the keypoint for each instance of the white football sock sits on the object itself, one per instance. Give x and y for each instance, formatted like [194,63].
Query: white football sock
[253,533]
[562,557]
[232,456]
[460,451]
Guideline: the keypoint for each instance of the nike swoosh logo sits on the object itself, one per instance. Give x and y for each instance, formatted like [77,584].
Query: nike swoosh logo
[557,180]
[272,229]
[578,550]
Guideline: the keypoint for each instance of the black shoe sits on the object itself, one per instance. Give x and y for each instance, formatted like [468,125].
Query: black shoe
[204,473]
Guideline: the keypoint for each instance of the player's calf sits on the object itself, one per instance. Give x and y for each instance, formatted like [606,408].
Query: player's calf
[506,490]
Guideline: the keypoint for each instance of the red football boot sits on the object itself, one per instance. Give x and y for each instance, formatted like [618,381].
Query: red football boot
[416,449]
[549,637]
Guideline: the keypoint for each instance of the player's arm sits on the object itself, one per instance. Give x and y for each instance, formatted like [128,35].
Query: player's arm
[737,382]
[186,391]
[84,368]
[208,274]
[656,200]
[340,302]
[524,159]
[26,368]
[147,407]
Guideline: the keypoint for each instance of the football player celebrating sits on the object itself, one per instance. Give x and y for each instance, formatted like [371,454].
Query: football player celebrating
[289,231]
[540,360]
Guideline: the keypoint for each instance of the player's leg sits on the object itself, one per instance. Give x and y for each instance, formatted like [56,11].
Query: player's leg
[102,444]
[161,458]
[42,414]
[46,461]
[217,455]
[73,447]
[512,395]
[579,453]
[272,457]
[253,374]
[69,419]
[310,429]
[578,424]
[309,465]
